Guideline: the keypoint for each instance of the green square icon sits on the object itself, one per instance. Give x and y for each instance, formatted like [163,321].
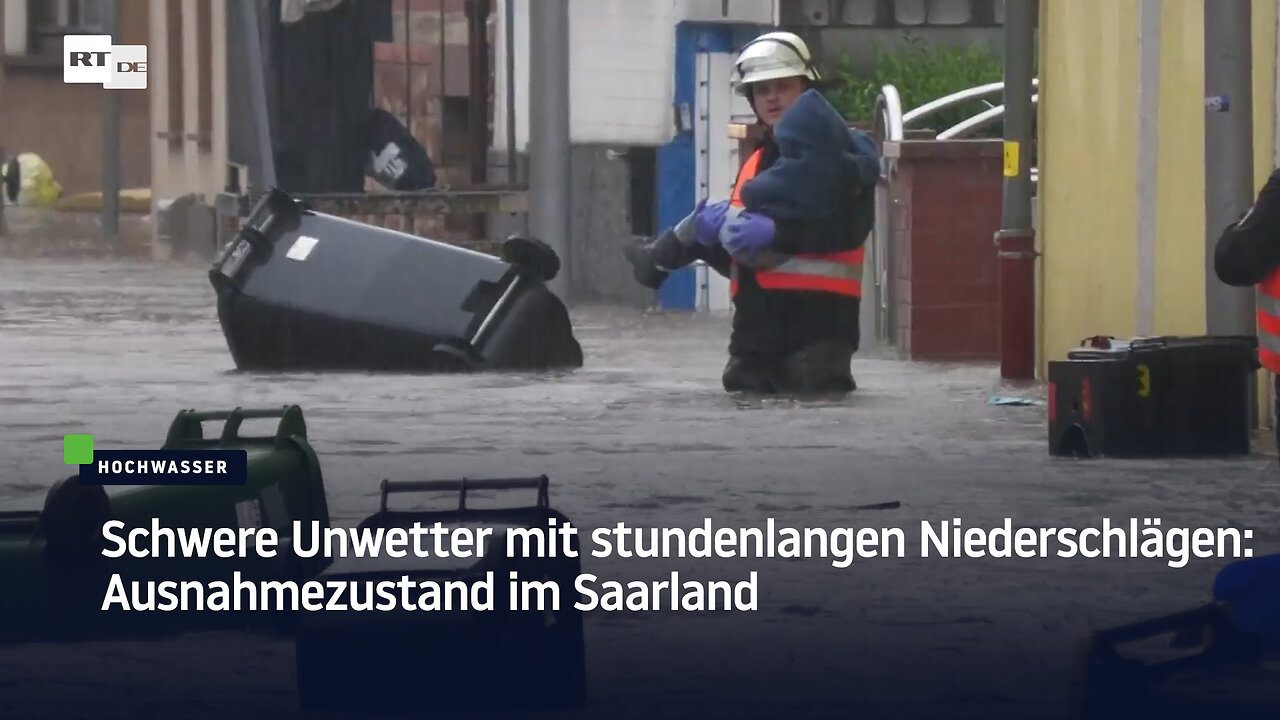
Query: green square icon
[77,449]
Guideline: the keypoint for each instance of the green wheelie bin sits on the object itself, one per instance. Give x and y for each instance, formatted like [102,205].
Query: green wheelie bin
[57,580]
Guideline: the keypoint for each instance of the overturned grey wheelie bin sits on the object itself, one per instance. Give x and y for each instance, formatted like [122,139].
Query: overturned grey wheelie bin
[430,630]
[306,291]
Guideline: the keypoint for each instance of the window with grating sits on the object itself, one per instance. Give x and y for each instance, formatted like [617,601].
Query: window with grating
[49,20]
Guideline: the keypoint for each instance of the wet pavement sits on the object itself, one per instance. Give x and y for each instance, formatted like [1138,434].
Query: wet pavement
[642,434]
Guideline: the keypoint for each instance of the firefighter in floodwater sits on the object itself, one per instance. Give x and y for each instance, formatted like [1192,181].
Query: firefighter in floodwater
[1248,253]
[791,237]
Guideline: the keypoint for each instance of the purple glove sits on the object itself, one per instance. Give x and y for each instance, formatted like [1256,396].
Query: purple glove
[710,218]
[748,234]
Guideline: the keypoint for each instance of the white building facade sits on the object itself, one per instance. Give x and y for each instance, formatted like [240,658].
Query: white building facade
[647,75]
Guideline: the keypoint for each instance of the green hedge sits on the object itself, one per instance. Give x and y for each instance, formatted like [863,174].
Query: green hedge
[921,73]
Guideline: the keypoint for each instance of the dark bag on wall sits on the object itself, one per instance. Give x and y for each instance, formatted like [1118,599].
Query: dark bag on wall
[396,159]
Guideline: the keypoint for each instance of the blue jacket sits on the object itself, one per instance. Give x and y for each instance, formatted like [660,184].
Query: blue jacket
[1252,587]
[821,160]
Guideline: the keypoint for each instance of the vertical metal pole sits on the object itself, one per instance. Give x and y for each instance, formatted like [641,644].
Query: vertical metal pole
[549,162]
[263,176]
[111,139]
[478,12]
[408,70]
[510,42]
[478,87]
[1149,40]
[1228,148]
[443,42]
[4,225]
[1016,240]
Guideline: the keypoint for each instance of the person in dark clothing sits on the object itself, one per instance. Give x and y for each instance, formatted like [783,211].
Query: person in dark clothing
[1249,249]
[1248,253]
[791,237]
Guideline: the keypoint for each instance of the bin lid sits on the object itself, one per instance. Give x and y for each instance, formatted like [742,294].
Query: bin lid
[1107,347]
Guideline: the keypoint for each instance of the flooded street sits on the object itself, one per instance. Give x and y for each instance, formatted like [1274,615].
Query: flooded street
[643,434]
[116,348]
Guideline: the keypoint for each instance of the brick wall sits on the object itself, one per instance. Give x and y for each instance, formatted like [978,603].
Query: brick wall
[63,123]
[946,212]
[431,99]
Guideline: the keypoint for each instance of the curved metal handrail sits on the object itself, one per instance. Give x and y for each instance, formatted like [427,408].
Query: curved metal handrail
[974,93]
[887,117]
[890,122]
[887,126]
[978,122]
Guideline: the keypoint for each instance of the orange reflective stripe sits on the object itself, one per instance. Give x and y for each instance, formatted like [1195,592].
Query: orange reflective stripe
[1270,360]
[788,281]
[813,274]
[1267,322]
[839,273]
[1268,315]
[745,173]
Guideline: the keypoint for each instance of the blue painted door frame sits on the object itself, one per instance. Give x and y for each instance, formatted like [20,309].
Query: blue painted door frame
[678,159]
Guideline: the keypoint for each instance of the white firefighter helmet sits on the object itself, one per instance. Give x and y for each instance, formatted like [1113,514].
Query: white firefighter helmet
[771,56]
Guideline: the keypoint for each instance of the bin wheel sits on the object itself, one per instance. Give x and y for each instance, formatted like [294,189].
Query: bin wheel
[453,358]
[533,256]
[70,519]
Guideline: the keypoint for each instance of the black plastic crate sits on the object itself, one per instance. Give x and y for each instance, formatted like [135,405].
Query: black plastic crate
[500,661]
[1153,397]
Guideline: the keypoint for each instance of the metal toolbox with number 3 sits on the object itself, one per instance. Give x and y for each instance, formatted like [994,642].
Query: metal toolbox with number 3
[1153,397]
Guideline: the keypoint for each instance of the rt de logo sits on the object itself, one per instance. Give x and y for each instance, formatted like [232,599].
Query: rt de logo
[93,59]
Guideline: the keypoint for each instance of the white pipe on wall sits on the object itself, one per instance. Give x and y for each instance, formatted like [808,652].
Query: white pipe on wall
[1275,110]
[15,27]
[1148,160]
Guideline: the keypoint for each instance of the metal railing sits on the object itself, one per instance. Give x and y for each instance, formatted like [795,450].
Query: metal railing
[978,122]
[890,123]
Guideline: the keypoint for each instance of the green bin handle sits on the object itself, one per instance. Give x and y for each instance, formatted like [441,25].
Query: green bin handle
[188,425]
[1100,668]
[539,483]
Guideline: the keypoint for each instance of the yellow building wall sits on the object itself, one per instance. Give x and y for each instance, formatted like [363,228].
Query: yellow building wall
[1264,89]
[1088,144]
[1264,130]
[1180,211]
[1087,122]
